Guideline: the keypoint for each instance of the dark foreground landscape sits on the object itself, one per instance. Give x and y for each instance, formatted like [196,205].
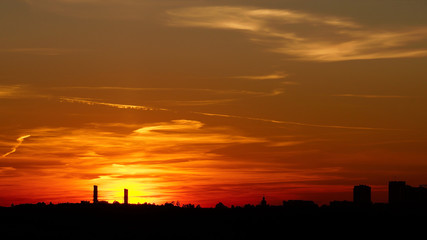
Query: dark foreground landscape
[295,219]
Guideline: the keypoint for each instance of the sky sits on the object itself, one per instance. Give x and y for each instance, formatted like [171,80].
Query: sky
[203,101]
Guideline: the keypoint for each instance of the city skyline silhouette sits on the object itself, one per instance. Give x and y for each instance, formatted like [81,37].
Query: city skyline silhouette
[404,213]
[399,193]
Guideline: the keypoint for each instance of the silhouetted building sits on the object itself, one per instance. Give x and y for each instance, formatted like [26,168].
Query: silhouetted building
[300,205]
[416,195]
[341,205]
[396,192]
[362,194]
[220,205]
[95,194]
[126,197]
[263,202]
[400,193]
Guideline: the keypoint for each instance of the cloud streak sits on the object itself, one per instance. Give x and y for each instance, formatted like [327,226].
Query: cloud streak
[19,140]
[145,108]
[12,91]
[103,9]
[38,51]
[273,76]
[114,105]
[369,96]
[293,123]
[293,33]
[150,157]
[136,89]
[248,18]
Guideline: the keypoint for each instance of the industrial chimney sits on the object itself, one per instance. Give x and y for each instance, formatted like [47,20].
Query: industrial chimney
[95,194]
[126,197]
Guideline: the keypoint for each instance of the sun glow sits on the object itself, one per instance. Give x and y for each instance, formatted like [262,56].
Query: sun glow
[138,180]
[111,191]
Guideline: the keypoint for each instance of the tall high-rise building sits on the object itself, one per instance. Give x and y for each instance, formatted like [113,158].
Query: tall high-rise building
[126,197]
[362,194]
[396,192]
[95,194]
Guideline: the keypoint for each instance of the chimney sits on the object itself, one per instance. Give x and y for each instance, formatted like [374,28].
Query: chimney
[95,194]
[126,197]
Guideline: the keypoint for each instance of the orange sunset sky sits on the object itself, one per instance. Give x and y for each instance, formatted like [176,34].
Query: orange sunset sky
[202,101]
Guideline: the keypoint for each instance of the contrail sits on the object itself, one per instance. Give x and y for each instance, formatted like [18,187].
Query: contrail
[145,108]
[115,105]
[290,123]
[20,140]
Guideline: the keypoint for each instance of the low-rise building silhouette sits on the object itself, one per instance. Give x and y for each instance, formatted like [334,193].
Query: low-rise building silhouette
[416,195]
[399,193]
[300,205]
[341,204]
[362,195]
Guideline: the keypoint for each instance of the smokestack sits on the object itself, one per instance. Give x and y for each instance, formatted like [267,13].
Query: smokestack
[95,194]
[126,196]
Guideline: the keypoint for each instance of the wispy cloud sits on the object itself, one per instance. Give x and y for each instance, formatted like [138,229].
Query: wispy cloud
[148,157]
[157,160]
[114,105]
[142,89]
[202,96]
[20,91]
[293,123]
[104,9]
[189,132]
[145,108]
[341,39]
[273,76]
[38,51]
[4,170]
[20,140]
[370,96]
[289,83]
[10,91]
[248,18]
[201,102]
